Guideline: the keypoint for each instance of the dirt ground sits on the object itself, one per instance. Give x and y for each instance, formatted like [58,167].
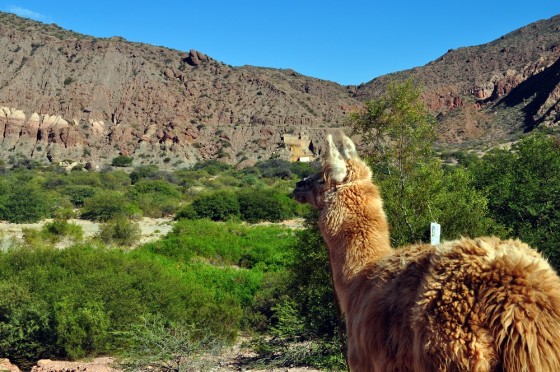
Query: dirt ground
[152,229]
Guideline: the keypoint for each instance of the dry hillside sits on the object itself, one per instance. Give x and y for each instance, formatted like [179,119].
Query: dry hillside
[68,96]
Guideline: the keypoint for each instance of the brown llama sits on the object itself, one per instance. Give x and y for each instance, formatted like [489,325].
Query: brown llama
[480,304]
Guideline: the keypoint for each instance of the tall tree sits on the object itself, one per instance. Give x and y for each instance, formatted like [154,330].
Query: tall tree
[398,136]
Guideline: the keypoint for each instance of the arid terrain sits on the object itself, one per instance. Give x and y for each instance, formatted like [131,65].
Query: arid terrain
[152,228]
[65,95]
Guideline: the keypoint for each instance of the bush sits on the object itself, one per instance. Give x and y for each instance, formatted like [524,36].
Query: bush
[266,247]
[265,205]
[141,172]
[59,228]
[217,206]
[121,161]
[106,206]
[156,198]
[24,204]
[78,301]
[78,194]
[158,342]
[212,167]
[120,231]
[275,168]
[23,325]
[82,328]
[522,187]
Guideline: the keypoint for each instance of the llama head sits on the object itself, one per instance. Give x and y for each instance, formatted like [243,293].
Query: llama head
[339,169]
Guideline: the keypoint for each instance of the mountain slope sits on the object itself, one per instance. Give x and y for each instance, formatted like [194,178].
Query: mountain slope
[67,96]
[101,97]
[466,87]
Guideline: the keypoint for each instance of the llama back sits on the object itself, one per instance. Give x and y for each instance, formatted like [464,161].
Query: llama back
[489,304]
[523,312]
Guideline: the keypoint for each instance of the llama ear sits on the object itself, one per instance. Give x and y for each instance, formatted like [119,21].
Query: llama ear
[335,162]
[348,148]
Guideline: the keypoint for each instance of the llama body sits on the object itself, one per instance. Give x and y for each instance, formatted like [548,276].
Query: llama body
[468,305]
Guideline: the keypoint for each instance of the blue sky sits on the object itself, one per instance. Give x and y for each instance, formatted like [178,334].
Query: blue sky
[348,42]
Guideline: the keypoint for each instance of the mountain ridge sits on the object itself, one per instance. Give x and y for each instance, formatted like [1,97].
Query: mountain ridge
[65,95]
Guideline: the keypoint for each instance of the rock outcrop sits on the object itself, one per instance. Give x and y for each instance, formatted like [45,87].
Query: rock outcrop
[66,95]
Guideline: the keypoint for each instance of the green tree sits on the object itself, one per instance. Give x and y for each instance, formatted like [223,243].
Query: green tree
[120,231]
[106,206]
[523,189]
[398,135]
[264,205]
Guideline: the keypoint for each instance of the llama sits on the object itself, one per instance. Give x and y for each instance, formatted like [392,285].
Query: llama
[480,304]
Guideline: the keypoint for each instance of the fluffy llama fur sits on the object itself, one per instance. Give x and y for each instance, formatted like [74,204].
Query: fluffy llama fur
[467,305]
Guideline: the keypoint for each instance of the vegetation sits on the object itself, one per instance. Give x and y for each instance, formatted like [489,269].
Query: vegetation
[215,276]
[398,135]
[121,161]
[523,187]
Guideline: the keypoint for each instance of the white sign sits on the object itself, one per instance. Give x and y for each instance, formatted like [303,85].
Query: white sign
[435,232]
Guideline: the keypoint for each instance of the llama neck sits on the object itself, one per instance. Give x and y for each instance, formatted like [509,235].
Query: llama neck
[355,228]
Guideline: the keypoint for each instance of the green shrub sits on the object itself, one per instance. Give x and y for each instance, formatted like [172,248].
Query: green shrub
[78,193]
[212,167]
[84,178]
[82,327]
[187,212]
[275,168]
[156,198]
[24,204]
[156,206]
[24,323]
[78,301]
[217,206]
[302,170]
[106,206]
[156,187]
[57,229]
[264,205]
[265,247]
[157,342]
[120,231]
[151,172]
[523,188]
[114,179]
[121,161]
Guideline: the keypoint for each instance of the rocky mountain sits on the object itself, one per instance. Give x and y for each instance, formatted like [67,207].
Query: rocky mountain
[492,91]
[68,96]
